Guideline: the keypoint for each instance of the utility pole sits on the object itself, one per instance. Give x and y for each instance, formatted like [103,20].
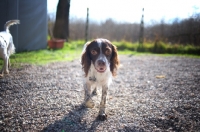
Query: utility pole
[86,27]
[141,36]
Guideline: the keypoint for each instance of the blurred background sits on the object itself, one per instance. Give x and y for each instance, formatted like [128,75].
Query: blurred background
[130,20]
[136,25]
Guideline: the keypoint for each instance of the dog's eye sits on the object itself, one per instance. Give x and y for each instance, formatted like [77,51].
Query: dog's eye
[94,52]
[108,52]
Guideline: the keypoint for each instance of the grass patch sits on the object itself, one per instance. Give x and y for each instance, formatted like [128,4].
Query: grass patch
[158,47]
[72,50]
[124,45]
[135,53]
[69,52]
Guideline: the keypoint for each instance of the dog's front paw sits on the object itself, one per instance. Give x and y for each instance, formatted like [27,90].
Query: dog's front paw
[6,72]
[102,117]
[89,103]
[1,75]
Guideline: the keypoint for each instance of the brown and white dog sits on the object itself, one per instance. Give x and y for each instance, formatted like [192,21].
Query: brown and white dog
[6,45]
[100,62]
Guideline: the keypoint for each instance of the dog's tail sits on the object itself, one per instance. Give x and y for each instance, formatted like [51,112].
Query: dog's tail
[9,23]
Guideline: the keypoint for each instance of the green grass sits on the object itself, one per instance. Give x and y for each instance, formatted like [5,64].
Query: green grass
[69,52]
[135,53]
[72,50]
[45,56]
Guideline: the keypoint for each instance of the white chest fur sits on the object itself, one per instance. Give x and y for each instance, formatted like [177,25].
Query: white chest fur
[96,79]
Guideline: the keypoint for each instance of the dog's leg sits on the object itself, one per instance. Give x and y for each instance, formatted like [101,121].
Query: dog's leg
[94,92]
[2,54]
[1,74]
[6,59]
[88,100]
[8,63]
[102,113]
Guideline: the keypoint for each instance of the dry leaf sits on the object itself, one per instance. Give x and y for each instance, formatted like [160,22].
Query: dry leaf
[160,76]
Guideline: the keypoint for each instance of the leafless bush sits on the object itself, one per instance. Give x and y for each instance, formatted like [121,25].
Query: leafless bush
[186,31]
[108,29]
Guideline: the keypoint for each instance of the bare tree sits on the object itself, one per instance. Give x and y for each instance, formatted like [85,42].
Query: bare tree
[185,31]
[61,28]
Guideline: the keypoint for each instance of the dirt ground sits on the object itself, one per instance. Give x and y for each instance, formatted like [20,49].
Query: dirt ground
[150,93]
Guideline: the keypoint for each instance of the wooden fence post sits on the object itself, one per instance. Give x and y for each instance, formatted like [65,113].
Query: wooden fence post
[86,27]
[141,36]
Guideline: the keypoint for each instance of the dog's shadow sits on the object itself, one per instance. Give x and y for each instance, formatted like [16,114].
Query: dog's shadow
[73,121]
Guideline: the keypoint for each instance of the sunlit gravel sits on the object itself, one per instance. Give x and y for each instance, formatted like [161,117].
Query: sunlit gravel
[150,93]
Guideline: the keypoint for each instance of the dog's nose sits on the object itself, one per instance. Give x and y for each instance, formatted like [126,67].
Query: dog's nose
[101,62]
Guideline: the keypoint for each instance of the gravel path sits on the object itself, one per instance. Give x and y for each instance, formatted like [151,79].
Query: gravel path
[150,93]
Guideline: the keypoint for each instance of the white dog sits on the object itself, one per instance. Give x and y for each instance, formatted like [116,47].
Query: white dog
[6,45]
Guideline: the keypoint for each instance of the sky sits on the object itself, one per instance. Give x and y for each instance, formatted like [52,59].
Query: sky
[130,11]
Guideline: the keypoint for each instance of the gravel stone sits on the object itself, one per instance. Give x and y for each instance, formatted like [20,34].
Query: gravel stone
[150,93]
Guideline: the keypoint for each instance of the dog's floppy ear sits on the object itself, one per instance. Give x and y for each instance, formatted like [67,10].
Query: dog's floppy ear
[85,59]
[114,61]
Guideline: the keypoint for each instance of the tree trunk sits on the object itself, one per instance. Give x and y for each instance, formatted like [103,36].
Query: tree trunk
[61,28]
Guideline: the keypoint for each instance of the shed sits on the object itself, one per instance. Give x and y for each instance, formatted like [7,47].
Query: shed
[31,33]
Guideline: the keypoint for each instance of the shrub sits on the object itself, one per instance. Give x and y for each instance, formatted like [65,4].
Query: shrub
[159,47]
[140,48]
[124,45]
[75,44]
